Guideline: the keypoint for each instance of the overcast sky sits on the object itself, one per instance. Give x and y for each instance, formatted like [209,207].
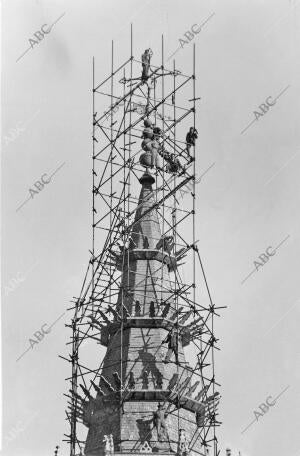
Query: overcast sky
[247,54]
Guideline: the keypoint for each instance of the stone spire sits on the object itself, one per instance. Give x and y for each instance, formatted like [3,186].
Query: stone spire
[138,387]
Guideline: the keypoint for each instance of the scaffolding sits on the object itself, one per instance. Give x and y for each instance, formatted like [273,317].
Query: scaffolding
[166,99]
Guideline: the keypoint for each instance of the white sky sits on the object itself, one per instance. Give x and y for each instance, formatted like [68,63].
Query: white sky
[248,201]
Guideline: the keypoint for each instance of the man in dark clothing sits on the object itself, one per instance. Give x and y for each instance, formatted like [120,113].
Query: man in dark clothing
[173,340]
[174,165]
[191,137]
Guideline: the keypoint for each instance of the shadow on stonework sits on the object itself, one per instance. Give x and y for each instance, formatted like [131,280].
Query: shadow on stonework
[149,365]
[145,429]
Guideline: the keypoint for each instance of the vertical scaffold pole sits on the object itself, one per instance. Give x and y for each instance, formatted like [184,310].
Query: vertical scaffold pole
[93,191]
[194,173]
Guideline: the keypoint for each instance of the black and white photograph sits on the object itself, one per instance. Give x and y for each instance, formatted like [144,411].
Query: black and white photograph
[150,298]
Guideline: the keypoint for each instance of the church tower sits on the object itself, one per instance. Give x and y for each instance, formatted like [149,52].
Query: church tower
[143,378]
[138,401]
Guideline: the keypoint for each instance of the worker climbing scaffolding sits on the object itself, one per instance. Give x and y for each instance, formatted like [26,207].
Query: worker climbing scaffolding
[172,339]
[190,138]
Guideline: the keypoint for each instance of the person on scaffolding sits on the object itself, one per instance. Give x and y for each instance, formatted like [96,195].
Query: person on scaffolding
[146,57]
[173,340]
[174,165]
[191,137]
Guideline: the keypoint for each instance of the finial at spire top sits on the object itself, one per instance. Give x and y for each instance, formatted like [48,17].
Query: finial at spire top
[147,178]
